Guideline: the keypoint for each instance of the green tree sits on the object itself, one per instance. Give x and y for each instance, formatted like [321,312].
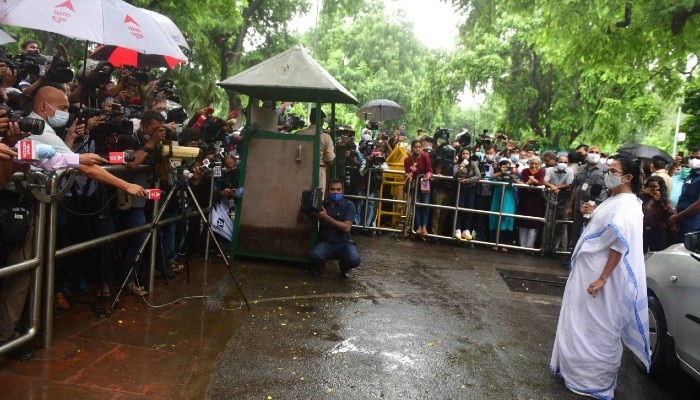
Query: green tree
[603,74]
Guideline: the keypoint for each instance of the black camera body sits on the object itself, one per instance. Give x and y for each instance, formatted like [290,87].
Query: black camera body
[312,200]
[59,71]
[293,122]
[377,161]
[136,75]
[35,126]
[367,147]
[441,133]
[446,155]
[100,75]
[167,88]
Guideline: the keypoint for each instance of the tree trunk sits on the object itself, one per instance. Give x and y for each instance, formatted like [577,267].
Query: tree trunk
[233,56]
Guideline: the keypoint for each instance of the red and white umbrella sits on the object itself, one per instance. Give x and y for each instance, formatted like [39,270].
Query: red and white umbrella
[121,56]
[109,22]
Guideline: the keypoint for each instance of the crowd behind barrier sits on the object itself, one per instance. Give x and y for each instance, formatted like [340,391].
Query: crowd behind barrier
[406,207]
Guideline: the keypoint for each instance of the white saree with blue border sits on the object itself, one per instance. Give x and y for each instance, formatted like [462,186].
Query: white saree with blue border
[588,346]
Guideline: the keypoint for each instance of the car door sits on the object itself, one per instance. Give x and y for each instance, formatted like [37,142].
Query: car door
[687,319]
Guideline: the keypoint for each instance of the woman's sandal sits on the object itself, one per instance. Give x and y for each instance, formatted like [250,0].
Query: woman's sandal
[176,267]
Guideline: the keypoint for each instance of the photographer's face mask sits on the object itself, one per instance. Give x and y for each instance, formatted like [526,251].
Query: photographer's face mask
[59,118]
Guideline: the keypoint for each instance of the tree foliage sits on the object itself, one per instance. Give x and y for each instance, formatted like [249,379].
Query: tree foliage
[601,70]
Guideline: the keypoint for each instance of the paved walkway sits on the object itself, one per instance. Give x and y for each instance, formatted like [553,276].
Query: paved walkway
[416,321]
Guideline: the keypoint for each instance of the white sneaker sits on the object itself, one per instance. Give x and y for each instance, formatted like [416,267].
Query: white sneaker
[458,234]
[466,235]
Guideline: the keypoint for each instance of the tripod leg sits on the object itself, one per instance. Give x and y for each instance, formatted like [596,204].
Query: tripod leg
[139,252]
[221,251]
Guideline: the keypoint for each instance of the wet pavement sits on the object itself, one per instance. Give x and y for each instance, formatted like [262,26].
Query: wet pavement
[415,321]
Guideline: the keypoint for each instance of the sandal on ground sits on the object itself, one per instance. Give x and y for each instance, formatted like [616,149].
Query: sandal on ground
[135,289]
[176,267]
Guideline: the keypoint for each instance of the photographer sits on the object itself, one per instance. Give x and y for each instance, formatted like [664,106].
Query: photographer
[443,190]
[334,242]
[484,191]
[93,80]
[50,105]
[160,106]
[370,181]
[131,87]
[282,113]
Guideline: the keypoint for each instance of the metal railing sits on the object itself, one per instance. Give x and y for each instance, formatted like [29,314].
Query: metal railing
[47,190]
[546,233]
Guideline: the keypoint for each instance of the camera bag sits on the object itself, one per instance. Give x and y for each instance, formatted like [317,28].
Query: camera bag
[14,219]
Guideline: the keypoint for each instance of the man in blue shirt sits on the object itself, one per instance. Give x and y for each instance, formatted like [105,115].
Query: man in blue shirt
[687,216]
[334,242]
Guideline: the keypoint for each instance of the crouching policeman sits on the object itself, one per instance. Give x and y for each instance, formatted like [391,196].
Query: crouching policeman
[334,242]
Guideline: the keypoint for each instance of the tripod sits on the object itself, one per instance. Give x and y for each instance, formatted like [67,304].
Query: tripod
[182,186]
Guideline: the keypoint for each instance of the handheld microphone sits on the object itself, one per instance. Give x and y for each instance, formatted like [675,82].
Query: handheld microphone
[596,190]
[29,150]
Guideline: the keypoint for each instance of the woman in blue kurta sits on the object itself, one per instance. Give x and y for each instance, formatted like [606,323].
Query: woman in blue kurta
[503,174]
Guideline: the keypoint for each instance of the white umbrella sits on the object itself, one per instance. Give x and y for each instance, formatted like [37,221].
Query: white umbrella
[169,28]
[5,38]
[110,22]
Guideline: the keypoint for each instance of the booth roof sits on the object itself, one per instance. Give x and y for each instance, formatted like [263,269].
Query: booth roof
[290,76]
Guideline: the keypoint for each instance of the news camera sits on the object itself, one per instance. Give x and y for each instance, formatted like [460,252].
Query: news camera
[34,126]
[293,122]
[57,70]
[446,155]
[166,88]
[464,138]
[441,133]
[376,159]
[101,74]
[137,76]
[367,147]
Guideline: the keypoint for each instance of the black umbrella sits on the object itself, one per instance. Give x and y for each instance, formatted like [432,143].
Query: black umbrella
[645,151]
[380,110]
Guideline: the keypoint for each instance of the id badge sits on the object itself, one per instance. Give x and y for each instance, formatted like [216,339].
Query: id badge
[584,187]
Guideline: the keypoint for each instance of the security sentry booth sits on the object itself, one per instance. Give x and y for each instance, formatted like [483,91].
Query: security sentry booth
[277,167]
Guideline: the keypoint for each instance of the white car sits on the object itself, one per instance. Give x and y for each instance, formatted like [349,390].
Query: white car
[673,287]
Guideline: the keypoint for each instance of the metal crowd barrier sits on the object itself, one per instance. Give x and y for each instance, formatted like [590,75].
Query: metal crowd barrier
[393,181]
[47,192]
[546,234]
[32,265]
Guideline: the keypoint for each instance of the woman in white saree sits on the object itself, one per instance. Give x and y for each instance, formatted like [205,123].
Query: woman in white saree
[605,300]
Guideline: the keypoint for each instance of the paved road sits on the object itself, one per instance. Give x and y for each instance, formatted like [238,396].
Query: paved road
[416,321]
